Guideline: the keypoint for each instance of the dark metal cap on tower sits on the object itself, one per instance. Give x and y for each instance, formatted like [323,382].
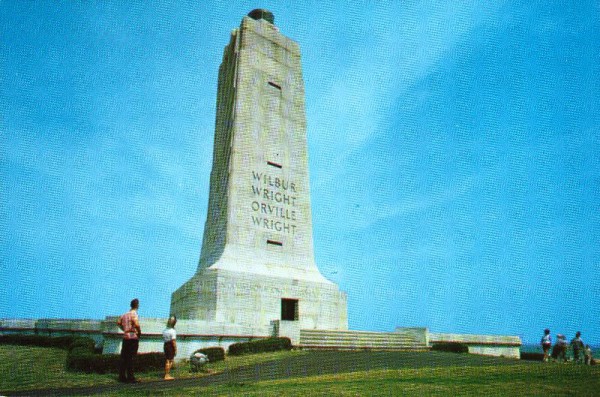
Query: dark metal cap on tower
[261,13]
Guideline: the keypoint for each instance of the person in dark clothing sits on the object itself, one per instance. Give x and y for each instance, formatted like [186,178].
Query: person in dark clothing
[577,345]
[130,325]
[559,351]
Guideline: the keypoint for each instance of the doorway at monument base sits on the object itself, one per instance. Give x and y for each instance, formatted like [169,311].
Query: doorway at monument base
[254,301]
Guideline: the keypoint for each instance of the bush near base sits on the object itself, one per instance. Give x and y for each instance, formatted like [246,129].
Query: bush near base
[81,358]
[451,347]
[214,354]
[532,356]
[61,342]
[81,361]
[260,346]
[84,343]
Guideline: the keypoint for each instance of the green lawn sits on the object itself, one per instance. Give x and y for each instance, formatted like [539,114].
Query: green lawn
[300,373]
[514,380]
[30,368]
[26,368]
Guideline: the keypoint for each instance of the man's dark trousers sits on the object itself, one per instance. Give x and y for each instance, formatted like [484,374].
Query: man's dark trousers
[128,351]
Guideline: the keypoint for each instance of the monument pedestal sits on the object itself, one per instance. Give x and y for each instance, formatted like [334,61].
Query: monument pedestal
[253,300]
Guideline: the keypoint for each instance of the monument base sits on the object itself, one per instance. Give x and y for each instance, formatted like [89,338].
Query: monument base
[251,300]
[197,334]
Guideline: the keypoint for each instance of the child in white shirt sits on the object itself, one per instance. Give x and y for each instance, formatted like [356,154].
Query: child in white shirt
[170,346]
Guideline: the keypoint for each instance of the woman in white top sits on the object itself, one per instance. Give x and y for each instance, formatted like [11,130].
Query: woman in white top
[170,346]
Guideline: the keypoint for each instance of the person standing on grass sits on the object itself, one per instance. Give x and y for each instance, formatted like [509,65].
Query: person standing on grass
[578,346]
[559,351]
[130,325]
[587,354]
[546,343]
[170,346]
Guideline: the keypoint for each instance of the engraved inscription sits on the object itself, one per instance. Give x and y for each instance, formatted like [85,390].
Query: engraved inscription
[274,205]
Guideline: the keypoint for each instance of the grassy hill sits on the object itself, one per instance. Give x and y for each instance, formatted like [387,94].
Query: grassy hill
[316,373]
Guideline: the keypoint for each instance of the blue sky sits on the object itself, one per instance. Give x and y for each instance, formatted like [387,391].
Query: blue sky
[454,154]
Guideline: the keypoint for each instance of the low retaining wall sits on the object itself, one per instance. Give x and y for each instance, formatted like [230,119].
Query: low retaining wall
[420,334]
[54,327]
[487,345]
[191,334]
[196,334]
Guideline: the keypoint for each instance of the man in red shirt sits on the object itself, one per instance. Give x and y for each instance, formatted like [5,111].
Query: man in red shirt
[130,326]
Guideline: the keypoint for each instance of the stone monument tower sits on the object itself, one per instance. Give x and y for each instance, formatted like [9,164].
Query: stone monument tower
[257,263]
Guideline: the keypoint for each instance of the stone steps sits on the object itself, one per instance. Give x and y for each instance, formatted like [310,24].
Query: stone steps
[358,340]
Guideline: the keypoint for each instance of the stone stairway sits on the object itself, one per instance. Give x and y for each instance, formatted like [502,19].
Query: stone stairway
[360,340]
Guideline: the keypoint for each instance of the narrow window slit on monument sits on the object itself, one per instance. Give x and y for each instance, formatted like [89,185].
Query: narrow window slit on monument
[272,242]
[274,164]
[275,85]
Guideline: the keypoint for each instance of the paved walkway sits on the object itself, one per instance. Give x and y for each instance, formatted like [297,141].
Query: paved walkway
[311,364]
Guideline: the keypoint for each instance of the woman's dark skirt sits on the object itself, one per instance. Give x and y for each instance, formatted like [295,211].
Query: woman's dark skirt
[169,350]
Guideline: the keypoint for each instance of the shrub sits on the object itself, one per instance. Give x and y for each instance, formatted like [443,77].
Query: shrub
[83,360]
[23,340]
[261,345]
[214,354]
[81,355]
[530,356]
[149,362]
[62,342]
[86,343]
[451,347]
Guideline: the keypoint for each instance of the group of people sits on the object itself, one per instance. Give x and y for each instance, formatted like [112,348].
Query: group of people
[582,353]
[130,325]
